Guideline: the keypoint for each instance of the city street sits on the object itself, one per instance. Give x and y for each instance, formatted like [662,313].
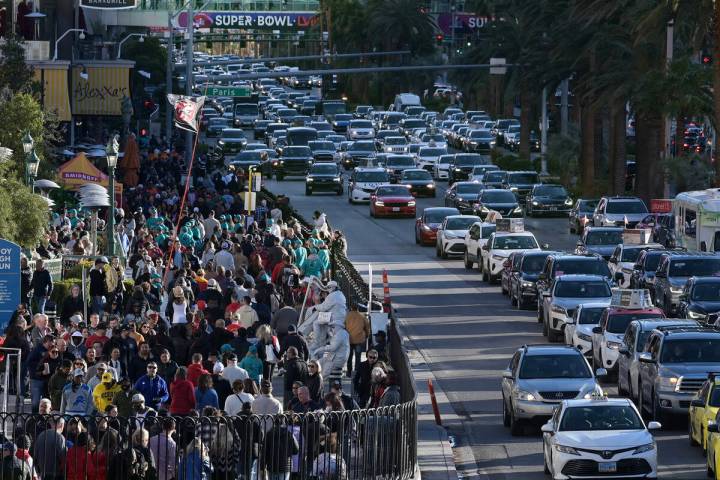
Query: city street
[466,331]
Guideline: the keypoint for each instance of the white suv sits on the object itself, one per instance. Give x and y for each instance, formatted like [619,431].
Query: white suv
[451,234]
[499,247]
[476,237]
[364,181]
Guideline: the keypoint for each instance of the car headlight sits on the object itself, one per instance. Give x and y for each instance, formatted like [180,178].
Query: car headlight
[458,169]
[450,235]
[430,185]
[517,209]
[379,203]
[696,315]
[528,284]
[513,189]
[426,228]
[535,204]
[568,202]
[336,179]
[567,450]
[411,203]
[499,258]
[644,448]
[614,345]
[585,337]
[558,309]
[668,383]
[309,162]
[525,396]
[310,179]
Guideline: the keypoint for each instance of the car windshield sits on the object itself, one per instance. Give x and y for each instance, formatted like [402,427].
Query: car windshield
[600,417]
[522,178]
[324,169]
[514,242]
[393,191]
[316,146]
[362,147]
[706,292]
[249,155]
[469,188]
[401,161]
[417,175]
[555,191]
[396,141]
[618,322]
[371,177]
[714,397]
[480,135]
[604,237]
[498,197]
[630,254]
[697,267]
[590,316]
[233,133]
[494,176]
[642,339]
[587,206]
[361,124]
[481,169]
[582,289]
[463,223]
[592,266]
[554,366]
[652,262]
[297,152]
[533,264]
[432,152]
[695,350]
[626,206]
[437,216]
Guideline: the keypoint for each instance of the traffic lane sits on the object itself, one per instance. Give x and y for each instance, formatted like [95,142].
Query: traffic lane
[466,331]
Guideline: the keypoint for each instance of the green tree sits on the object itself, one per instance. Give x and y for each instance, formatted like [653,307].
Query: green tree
[400,24]
[15,74]
[25,229]
[21,114]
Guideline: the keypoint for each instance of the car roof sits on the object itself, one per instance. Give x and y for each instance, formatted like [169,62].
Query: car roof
[574,256]
[369,169]
[689,255]
[492,189]
[575,277]
[460,216]
[624,198]
[509,234]
[544,349]
[697,280]
[690,332]
[604,229]
[635,310]
[592,305]
[468,182]
[589,402]
[652,323]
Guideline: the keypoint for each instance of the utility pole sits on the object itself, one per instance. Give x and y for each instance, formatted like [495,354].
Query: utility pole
[669,47]
[543,134]
[189,74]
[564,107]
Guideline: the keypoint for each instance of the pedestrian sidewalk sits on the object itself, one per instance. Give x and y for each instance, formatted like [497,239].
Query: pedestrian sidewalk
[435,454]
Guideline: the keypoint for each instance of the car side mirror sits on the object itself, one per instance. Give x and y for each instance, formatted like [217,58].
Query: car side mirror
[507,374]
[547,428]
[619,277]
[601,372]
[645,357]
[697,403]
[623,351]
[658,426]
[545,246]
[597,330]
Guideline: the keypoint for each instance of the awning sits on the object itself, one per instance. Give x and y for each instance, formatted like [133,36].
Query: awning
[54,80]
[102,91]
[79,171]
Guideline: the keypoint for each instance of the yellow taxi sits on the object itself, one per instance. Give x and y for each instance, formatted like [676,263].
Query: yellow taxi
[703,409]
[713,449]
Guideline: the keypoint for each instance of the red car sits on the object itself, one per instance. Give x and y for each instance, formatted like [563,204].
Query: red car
[427,225]
[392,201]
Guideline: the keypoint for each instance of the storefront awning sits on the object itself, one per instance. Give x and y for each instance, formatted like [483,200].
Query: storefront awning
[54,79]
[104,87]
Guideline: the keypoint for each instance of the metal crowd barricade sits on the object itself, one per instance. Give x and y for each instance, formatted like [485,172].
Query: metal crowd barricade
[358,444]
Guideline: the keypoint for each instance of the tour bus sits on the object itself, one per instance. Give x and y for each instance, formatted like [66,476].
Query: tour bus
[697,220]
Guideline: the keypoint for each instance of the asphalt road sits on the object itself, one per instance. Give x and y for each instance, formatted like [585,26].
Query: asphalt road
[466,332]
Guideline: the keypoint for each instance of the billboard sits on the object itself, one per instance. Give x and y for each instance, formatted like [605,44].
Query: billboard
[255,20]
[101,92]
[108,4]
[9,280]
[463,22]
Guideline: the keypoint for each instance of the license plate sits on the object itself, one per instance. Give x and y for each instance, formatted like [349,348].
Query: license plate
[607,467]
[553,209]
[396,209]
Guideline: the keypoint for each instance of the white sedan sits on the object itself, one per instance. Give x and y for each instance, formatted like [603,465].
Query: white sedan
[599,437]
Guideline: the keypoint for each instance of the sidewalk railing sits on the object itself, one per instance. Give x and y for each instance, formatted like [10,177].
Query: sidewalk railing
[357,444]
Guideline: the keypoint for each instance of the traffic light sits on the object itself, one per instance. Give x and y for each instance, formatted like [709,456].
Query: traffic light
[706,58]
[439,38]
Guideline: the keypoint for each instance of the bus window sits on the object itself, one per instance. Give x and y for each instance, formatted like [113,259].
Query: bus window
[716,241]
[690,223]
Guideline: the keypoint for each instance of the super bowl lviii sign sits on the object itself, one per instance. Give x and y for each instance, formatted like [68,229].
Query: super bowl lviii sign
[9,281]
[255,20]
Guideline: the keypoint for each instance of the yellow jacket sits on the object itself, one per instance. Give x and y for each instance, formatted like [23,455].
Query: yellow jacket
[103,395]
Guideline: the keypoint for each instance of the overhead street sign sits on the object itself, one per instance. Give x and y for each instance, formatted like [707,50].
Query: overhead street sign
[228,91]
[108,4]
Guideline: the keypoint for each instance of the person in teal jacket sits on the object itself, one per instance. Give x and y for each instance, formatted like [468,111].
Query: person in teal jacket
[301,254]
[324,256]
[252,364]
[313,265]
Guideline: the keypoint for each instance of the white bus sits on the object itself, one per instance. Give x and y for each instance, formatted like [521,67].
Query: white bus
[697,220]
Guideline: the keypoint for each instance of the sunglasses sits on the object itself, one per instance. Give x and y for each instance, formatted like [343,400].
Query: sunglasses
[312,366]
[151,367]
[54,351]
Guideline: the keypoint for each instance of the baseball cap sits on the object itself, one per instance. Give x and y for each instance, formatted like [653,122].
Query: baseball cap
[218,368]
[138,398]
[78,372]
[76,333]
[75,319]
[107,377]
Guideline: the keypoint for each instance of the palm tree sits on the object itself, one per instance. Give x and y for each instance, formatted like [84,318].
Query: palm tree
[400,24]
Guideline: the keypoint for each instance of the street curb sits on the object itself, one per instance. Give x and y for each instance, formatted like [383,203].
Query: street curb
[436,460]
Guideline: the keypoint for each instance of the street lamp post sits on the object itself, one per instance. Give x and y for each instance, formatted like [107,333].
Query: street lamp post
[57,42]
[33,164]
[28,144]
[142,39]
[111,154]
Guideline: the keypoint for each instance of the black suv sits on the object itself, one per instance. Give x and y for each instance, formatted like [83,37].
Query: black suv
[498,200]
[548,198]
[494,178]
[463,195]
[524,276]
[462,166]
[700,299]
[673,272]
[324,177]
[567,264]
[520,183]
[293,161]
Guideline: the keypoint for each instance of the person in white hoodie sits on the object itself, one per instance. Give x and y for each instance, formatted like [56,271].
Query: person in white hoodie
[337,350]
[336,304]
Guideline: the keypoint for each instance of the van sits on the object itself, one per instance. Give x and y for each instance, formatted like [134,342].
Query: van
[404,100]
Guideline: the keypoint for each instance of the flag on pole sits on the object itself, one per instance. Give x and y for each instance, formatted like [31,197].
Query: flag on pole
[186,111]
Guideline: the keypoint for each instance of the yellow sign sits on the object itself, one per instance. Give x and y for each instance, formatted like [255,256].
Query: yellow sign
[99,90]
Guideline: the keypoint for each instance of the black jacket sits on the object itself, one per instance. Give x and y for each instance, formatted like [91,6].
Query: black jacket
[42,283]
[295,340]
[70,306]
[98,287]
[362,380]
[296,370]
[26,276]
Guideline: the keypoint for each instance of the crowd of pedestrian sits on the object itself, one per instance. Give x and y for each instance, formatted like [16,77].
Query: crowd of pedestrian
[173,377]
